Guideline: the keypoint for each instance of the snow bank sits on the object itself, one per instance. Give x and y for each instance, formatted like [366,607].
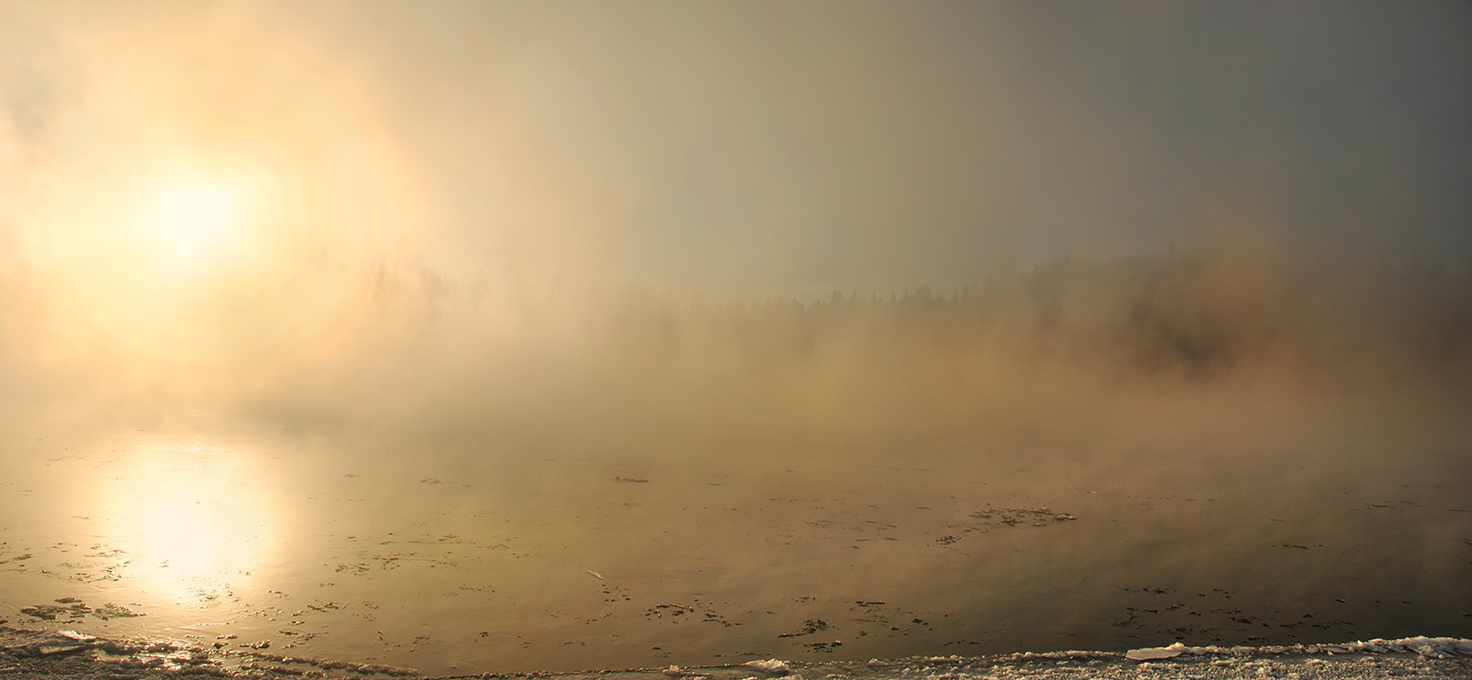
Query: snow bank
[42,654]
[1436,648]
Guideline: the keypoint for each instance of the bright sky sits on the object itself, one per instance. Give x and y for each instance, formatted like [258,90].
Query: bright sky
[739,145]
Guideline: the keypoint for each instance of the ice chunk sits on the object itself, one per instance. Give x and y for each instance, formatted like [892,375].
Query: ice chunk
[773,666]
[1152,653]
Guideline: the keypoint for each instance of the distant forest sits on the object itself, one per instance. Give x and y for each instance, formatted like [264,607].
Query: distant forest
[1191,315]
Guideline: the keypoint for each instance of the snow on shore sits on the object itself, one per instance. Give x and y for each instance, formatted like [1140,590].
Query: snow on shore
[42,655]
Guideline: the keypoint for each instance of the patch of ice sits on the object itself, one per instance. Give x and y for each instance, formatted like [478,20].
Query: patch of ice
[774,666]
[1439,648]
[1152,653]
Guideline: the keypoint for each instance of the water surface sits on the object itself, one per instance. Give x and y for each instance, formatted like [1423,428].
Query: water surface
[452,557]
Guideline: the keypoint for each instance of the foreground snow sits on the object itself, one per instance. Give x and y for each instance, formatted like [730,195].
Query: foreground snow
[41,654]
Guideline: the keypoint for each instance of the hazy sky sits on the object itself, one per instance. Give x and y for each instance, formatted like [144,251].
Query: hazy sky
[752,145]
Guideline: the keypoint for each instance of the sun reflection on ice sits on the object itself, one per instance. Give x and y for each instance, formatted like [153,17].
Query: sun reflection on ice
[191,517]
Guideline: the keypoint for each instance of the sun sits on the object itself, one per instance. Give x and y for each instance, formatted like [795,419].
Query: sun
[186,224]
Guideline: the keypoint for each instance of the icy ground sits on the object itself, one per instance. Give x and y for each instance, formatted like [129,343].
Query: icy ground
[41,654]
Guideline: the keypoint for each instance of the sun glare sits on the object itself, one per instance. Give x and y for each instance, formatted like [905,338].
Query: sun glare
[195,519]
[186,223]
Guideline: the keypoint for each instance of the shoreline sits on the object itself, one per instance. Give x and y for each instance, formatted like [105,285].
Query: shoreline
[40,655]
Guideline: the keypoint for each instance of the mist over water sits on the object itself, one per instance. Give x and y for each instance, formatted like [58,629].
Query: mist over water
[1095,454]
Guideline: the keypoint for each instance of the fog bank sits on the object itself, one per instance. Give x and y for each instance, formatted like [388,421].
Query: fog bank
[1070,342]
